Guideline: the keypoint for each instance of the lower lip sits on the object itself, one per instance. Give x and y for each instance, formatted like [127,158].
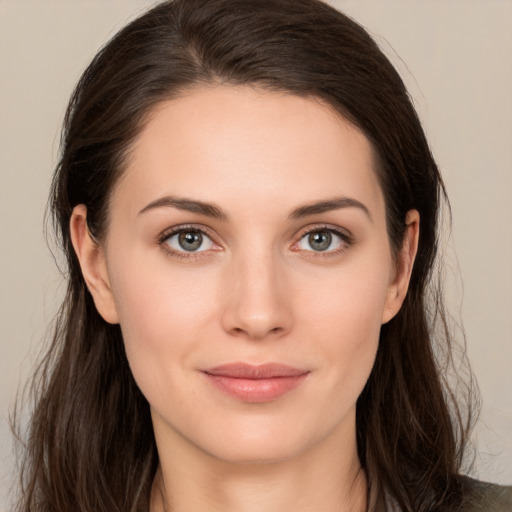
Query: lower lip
[256,390]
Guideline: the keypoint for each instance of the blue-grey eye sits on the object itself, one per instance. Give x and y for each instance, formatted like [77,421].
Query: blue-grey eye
[189,240]
[320,241]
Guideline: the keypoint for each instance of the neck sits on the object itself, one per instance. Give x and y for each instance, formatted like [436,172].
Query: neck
[327,477]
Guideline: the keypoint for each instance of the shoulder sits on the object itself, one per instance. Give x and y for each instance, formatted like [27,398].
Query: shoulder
[485,497]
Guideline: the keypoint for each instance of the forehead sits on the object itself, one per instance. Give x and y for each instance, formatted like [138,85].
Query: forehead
[248,147]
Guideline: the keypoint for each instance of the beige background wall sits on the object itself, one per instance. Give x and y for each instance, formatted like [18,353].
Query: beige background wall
[459,70]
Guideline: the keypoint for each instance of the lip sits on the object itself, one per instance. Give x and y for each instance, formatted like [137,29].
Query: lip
[255,383]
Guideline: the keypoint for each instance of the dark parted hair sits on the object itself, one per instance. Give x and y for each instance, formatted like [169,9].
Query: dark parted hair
[90,444]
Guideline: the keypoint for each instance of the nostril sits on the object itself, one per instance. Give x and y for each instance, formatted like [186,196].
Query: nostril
[257,332]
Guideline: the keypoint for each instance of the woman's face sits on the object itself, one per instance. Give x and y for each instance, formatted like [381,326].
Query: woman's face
[249,229]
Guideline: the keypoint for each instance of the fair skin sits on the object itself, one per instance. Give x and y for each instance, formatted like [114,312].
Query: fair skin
[255,277]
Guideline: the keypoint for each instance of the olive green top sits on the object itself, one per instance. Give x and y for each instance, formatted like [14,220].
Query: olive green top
[486,497]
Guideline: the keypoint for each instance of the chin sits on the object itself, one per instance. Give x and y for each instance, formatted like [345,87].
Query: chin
[257,451]
[263,439]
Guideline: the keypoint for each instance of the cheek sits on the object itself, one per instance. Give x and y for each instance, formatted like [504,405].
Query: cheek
[348,302]
[345,317]
[162,314]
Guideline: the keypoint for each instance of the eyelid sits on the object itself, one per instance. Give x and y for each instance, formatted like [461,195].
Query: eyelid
[344,234]
[174,230]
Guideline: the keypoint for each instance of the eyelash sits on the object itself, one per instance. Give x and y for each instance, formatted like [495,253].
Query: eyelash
[346,238]
[183,255]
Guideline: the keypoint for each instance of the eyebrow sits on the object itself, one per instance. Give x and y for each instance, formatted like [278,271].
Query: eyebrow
[213,211]
[335,203]
[188,205]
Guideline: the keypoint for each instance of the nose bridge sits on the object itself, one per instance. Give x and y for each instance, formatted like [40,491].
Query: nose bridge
[258,301]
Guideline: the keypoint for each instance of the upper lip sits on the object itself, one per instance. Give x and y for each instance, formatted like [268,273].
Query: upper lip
[259,371]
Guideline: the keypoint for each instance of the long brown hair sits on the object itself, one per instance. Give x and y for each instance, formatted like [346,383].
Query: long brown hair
[90,444]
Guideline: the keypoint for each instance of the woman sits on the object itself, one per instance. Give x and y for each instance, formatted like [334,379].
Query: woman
[249,208]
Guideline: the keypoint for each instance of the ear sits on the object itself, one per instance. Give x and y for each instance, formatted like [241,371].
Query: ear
[91,257]
[399,284]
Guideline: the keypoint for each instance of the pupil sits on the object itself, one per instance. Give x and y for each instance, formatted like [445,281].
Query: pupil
[320,241]
[190,240]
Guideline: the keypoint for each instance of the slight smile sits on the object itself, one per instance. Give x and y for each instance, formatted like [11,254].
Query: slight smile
[255,383]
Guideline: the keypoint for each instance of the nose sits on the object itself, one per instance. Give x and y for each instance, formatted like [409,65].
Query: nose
[257,299]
